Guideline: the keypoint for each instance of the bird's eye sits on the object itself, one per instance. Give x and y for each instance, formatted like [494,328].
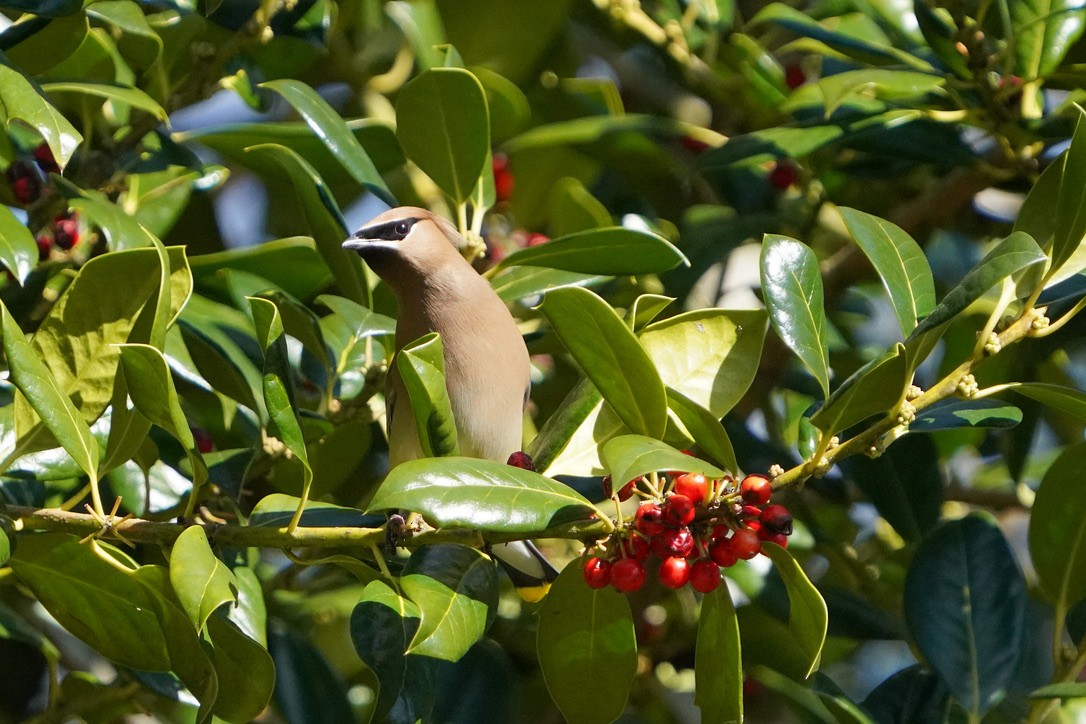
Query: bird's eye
[402,228]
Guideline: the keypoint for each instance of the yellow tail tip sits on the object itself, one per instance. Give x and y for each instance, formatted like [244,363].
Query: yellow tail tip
[534,594]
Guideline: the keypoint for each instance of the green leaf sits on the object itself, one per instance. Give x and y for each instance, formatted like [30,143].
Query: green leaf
[950,414]
[965,604]
[244,669]
[276,510]
[363,322]
[1044,30]
[1015,253]
[104,607]
[615,251]
[121,230]
[1070,222]
[18,250]
[885,85]
[1064,399]
[587,649]
[333,132]
[807,615]
[1057,526]
[291,264]
[718,667]
[704,428]
[201,581]
[877,387]
[46,396]
[20,102]
[646,308]
[1070,690]
[127,95]
[610,356]
[792,286]
[456,590]
[324,220]
[573,209]
[443,125]
[913,694]
[36,47]
[519,282]
[382,626]
[45,8]
[900,263]
[422,368]
[630,456]
[138,41]
[480,494]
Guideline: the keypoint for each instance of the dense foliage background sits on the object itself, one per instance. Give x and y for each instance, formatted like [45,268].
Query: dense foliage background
[849,229]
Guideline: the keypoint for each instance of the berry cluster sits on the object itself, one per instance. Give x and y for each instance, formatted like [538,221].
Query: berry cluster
[694,529]
[28,178]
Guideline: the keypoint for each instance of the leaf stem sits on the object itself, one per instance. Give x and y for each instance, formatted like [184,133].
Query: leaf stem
[1054,327]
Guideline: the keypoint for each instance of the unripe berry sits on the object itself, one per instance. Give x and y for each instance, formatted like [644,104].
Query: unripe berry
[673,542]
[704,576]
[597,572]
[722,554]
[776,520]
[745,544]
[649,519]
[693,486]
[636,547]
[521,460]
[627,575]
[679,510]
[755,489]
[674,572]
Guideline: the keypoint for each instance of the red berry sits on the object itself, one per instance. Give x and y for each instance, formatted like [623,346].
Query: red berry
[627,575]
[649,519]
[66,230]
[204,443]
[597,572]
[625,492]
[694,145]
[779,538]
[745,544]
[693,486]
[45,247]
[537,239]
[754,525]
[503,178]
[26,189]
[750,511]
[755,489]
[794,76]
[674,572]
[721,552]
[783,175]
[673,542]
[636,547]
[679,510]
[704,576]
[521,460]
[44,156]
[776,519]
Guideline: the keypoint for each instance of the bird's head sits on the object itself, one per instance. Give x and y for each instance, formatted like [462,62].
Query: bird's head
[406,242]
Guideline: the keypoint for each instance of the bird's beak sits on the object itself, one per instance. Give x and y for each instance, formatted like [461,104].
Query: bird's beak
[360,244]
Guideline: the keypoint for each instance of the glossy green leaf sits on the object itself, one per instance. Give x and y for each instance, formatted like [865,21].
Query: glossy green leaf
[422,368]
[46,397]
[792,287]
[128,96]
[580,404]
[422,25]
[630,456]
[382,626]
[292,264]
[443,125]
[244,668]
[324,220]
[899,262]
[222,364]
[807,615]
[1070,690]
[951,413]
[36,47]
[276,510]
[1064,399]
[1069,225]
[646,308]
[615,251]
[1044,30]
[704,428]
[913,694]
[138,41]
[586,647]
[121,230]
[456,590]
[520,282]
[363,322]
[1015,253]
[14,627]
[610,356]
[71,581]
[333,132]
[18,250]
[1057,526]
[965,604]
[201,581]
[875,388]
[886,85]
[718,664]
[19,101]
[480,494]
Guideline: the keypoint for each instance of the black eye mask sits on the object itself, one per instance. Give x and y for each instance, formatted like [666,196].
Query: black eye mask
[389,231]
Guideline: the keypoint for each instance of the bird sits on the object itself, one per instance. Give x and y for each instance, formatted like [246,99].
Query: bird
[487,370]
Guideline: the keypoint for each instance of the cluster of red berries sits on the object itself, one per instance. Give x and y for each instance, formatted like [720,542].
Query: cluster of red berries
[63,233]
[699,527]
[503,178]
[27,177]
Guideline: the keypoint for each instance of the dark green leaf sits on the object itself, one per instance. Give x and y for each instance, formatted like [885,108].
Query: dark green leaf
[20,102]
[291,264]
[965,603]
[456,590]
[1044,30]
[443,125]
[718,666]
[363,322]
[200,580]
[18,250]
[792,286]
[1057,524]
[807,614]
[1015,253]
[951,413]
[614,251]
[573,209]
[514,284]
[244,669]
[630,456]
[1064,399]
[942,37]
[875,388]
[913,694]
[480,494]
[307,689]
[586,639]
[905,484]
[610,356]
[128,96]
[900,264]
[887,85]
[704,428]
[422,368]
[138,41]
[45,8]
[276,510]
[1070,221]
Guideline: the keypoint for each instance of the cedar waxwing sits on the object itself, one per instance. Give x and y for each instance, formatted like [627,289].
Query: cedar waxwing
[487,373]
